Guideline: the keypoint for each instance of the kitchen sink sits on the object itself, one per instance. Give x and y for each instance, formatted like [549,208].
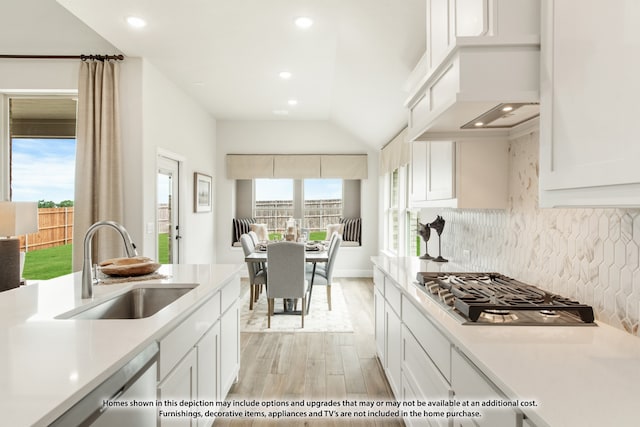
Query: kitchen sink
[136,303]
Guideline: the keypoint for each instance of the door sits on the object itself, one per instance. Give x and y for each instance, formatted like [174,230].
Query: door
[167,216]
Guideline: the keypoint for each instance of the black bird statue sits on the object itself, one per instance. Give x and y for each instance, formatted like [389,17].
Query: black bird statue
[425,232]
[438,225]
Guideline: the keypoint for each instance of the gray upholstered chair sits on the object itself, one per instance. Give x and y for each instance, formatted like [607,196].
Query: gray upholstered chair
[257,275]
[324,276]
[254,237]
[286,275]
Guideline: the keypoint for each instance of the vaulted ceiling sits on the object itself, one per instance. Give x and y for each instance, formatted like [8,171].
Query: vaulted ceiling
[349,67]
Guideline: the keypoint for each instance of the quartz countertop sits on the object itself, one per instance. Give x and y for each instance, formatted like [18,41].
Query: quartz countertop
[579,375]
[48,364]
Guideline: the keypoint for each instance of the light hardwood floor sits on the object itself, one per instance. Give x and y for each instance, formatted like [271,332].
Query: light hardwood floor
[315,366]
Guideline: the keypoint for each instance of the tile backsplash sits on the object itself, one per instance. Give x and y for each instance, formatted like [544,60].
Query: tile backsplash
[586,254]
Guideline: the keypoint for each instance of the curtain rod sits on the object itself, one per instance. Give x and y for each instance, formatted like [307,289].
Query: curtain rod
[81,57]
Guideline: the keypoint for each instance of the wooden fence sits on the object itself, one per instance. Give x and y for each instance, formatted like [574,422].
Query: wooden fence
[55,229]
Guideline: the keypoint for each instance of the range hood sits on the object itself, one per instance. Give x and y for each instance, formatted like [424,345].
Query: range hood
[477,89]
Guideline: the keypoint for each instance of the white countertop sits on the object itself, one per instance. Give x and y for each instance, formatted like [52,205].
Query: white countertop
[580,376]
[48,364]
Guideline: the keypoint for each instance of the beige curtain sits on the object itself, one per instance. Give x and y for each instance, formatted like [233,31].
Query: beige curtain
[98,193]
[395,154]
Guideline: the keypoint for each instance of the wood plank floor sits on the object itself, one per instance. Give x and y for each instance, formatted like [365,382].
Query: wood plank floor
[317,366]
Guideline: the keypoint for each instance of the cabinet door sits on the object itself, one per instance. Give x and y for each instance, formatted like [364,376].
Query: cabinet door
[180,384]
[589,92]
[208,370]
[469,383]
[379,325]
[419,171]
[441,170]
[229,348]
[394,349]
[409,395]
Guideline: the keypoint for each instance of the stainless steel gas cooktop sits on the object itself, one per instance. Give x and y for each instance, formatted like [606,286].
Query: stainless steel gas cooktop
[495,299]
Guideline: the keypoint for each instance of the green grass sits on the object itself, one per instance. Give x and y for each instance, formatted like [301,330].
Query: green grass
[163,248]
[47,263]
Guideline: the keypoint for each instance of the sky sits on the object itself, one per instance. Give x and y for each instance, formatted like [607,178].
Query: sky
[282,189]
[43,169]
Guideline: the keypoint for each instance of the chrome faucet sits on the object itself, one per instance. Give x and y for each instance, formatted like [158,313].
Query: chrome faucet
[87,270]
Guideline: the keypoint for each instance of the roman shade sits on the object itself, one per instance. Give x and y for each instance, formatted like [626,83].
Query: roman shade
[344,166]
[296,166]
[395,154]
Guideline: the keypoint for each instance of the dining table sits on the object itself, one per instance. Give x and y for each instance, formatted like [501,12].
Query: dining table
[311,255]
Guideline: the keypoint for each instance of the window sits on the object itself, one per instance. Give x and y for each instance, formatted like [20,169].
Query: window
[273,203]
[400,222]
[322,205]
[41,168]
[318,202]
[393,212]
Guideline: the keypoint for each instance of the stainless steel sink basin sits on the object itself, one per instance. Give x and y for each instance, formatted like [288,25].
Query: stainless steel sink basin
[137,303]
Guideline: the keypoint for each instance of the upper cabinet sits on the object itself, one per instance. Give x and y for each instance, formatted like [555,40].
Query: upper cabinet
[462,174]
[481,66]
[589,90]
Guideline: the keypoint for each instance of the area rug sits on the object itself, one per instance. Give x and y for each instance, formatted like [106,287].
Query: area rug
[319,319]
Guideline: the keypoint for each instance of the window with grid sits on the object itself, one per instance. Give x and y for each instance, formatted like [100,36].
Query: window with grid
[322,205]
[273,203]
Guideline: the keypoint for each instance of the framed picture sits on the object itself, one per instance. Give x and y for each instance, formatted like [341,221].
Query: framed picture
[202,192]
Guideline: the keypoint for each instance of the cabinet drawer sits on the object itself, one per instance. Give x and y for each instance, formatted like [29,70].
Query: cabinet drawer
[469,383]
[230,293]
[378,279]
[393,296]
[180,340]
[429,382]
[437,347]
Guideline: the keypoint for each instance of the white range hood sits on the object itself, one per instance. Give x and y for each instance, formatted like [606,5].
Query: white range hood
[484,84]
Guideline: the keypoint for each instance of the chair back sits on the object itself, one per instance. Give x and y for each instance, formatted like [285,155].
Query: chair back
[286,277]
[248,248]
[254,237]
[332,255]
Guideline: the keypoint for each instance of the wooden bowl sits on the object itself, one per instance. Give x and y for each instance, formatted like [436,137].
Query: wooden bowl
[125,267]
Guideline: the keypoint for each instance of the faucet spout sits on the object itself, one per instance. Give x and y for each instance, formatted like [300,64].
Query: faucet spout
[87,271]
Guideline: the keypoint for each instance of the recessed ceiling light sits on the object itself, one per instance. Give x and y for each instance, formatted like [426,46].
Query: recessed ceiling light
[303,22]
[292,102]
[136,22]
[281,112]
[285,75]
[507,108]
[478,124]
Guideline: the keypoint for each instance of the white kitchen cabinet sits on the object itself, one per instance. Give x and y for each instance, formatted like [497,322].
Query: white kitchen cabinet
[393,328]
[479,54]
[200,358]
[469,383]
[470,174]
[180,384]
[208,349]
[589,92]
[379,325]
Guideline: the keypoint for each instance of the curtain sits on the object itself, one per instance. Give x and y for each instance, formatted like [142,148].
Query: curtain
[395,154]
[98,185]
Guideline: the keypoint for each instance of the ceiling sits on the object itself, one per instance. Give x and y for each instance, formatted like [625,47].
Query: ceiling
[349,67]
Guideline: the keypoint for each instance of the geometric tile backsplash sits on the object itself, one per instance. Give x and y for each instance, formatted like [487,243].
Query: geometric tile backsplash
[591,255]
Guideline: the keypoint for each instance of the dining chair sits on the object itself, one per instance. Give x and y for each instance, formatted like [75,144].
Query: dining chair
[257,275]
[324,276]
[254,237]
[286,278]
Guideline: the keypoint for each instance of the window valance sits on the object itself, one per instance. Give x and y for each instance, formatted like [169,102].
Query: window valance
[297,166]
[395,154]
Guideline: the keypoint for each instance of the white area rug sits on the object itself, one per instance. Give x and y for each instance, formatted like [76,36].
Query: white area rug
[319,319]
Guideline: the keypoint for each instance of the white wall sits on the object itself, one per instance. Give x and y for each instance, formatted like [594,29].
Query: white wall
[159,117]
[294,137]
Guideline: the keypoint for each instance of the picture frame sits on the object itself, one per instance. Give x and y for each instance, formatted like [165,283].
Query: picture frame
[202,192]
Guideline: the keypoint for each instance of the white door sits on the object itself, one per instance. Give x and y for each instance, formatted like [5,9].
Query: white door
[168,225]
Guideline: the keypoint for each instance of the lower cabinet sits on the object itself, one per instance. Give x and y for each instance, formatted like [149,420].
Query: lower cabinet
[208,349]
[200,358]
[469,383]
[180,384]
[422,364]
